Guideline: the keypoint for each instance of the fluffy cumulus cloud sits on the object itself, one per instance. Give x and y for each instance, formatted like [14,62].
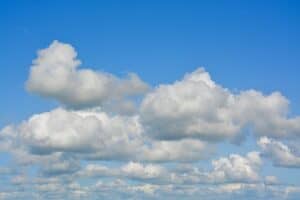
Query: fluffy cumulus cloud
[117,138]
[95,135]
[55,73]
[237,168]
[197,107]
[80,131]
[192,107]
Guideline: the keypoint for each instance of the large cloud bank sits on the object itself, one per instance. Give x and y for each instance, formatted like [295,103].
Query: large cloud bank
[133,141]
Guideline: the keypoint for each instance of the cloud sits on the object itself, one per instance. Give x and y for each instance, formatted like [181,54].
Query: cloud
[115,138]
[95,135]
[267,114]
[192,107]
[81,131]
[96,170]
[55,74]
[228,191]
[271,180]
[60,164]
[197,107]
[232,169]
[137,180]
[139,171]
[181,151]
[279,153]
[119,189]
[237,168]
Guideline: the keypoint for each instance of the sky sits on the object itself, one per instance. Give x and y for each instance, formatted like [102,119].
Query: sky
[149,99]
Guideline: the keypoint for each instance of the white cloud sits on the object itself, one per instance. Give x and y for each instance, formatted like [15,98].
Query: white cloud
[94,135]
[181,151]
[267,114]
[81,131]
[196,107]
[96,170]
[192,107]
[19,180]
[120,189]
[55,74]
[59,165]
[279,153]
[140,171]
[150,153]
[237,168]
[232,169]
[271,180]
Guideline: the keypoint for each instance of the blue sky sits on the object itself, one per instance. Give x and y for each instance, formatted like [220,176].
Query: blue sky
[241,44]
[244,40]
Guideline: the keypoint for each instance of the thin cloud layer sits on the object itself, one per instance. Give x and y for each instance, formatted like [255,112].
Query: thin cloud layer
[104,143]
